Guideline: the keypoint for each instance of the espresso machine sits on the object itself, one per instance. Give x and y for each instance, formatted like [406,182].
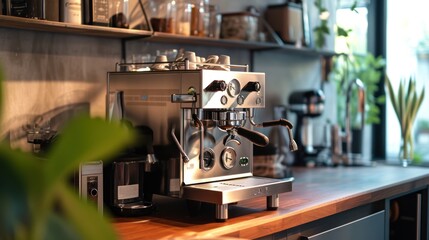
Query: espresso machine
[202,122]
[307,104]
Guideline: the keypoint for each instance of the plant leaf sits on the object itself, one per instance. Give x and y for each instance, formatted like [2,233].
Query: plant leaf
[76,146]
[342,32]
[14,209]
[58,226]
[411,88]
[392,96]
[1,91]
[401,105]
[418,103]
[83,216]
[353,7]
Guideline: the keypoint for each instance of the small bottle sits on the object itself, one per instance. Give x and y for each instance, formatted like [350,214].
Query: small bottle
[198,17]
[212,22]
[183,18]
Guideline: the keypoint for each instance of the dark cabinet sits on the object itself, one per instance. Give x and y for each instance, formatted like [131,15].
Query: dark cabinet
[408,216]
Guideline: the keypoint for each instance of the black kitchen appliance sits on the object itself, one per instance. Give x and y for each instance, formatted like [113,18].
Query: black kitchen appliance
[306,105]
[130,177]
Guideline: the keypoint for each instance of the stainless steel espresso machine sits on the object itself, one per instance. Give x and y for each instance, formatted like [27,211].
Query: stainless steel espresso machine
[202,122]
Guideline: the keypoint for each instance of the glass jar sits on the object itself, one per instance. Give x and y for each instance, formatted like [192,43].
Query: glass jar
[163,15]
[183,21]
[198,17]
[118,11]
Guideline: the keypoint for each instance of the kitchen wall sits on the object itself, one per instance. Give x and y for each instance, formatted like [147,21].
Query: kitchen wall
[51,77]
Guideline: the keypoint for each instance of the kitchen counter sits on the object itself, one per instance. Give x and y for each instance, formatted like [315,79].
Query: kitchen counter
[317,193]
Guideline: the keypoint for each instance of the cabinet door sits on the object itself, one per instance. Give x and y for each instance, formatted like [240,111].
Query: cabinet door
[367,228]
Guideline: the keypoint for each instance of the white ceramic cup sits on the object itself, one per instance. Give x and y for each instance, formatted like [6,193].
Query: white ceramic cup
[224,59]
[192,59]
[161,58]
[159,66]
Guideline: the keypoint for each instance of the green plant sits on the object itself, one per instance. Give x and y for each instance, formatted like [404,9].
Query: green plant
[322,29]
[406,103]
[369,70]
[36,201]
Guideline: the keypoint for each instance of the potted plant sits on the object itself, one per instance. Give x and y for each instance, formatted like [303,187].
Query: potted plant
[406,102]
[36,201]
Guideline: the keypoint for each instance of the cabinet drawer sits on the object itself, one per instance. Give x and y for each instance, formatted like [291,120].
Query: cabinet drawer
[367,228]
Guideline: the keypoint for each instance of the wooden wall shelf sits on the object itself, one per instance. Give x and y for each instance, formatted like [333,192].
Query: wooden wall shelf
[61,27]
[205,41]
[159,37]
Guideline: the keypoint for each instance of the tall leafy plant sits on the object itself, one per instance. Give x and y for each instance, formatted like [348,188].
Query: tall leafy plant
[406,102]
[36,201]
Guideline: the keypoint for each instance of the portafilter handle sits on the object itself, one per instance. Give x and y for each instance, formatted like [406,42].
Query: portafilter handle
[256,138]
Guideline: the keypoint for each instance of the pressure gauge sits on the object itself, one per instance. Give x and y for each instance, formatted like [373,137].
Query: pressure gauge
[228,157]
[233,88]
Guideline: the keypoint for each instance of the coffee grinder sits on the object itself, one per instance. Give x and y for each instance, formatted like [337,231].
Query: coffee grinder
[306,105]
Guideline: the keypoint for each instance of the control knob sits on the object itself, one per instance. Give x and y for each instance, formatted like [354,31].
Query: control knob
[216,85]
[93,192]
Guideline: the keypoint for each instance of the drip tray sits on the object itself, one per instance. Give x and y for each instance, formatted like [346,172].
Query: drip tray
[230,191]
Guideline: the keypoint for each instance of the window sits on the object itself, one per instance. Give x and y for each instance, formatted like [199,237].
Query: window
[357,22]
[407,54]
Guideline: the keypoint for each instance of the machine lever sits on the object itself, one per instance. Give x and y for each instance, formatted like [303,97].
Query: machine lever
[184,155]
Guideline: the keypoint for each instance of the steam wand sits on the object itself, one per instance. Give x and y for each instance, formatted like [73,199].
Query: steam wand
[190,97]
[281,122]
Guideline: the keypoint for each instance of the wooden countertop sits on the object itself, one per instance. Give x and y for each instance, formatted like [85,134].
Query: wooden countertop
[317,193]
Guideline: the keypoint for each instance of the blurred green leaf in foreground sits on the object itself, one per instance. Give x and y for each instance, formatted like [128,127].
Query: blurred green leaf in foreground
[36,201]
